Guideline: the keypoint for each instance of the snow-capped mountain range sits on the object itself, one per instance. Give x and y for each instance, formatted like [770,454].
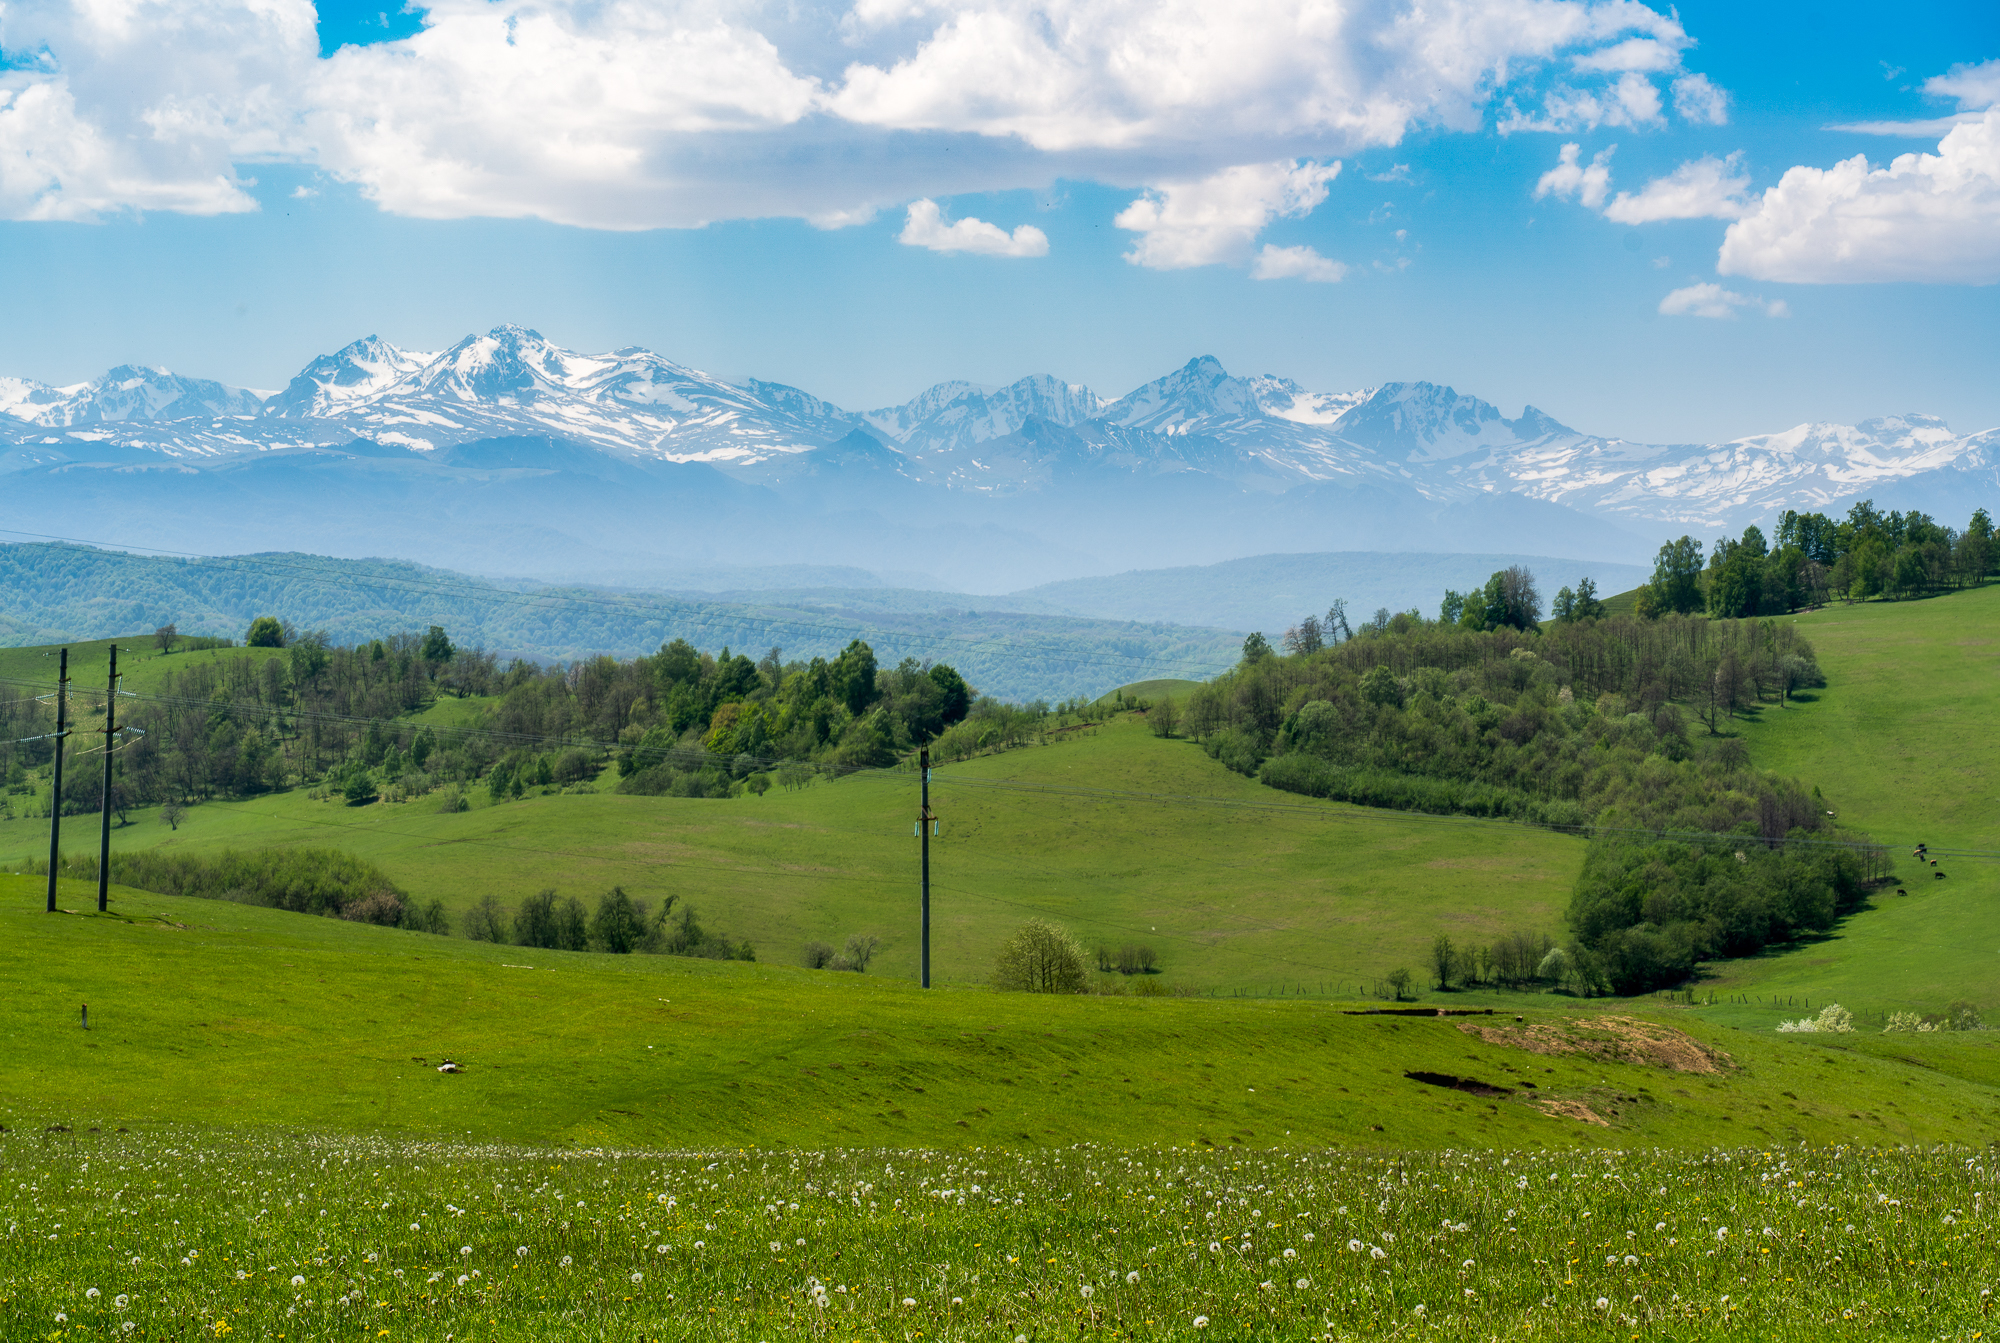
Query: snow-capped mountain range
[1264,434]
[1051,477]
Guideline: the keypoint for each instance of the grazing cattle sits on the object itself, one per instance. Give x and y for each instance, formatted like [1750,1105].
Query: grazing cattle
[1933,862]
[1901,891]
[1938,875]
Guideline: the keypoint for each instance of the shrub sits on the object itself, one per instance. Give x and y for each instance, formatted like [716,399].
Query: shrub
[379,908]
[1041,958]
[818,955]
[1833,1019]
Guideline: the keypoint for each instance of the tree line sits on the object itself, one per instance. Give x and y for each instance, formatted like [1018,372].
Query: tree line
[302,711]
[1867,554]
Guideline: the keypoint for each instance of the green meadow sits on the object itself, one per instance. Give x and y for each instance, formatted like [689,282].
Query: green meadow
[1123,836]
[252,1136]
[1902,743]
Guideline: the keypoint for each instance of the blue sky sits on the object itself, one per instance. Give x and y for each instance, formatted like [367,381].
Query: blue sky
[742,186]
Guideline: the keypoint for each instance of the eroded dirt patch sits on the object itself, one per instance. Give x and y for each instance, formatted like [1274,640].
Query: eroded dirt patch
[1562,1109]
[1614,1039]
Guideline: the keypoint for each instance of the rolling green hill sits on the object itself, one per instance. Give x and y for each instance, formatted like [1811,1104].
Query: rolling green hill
[1237,889]
[212,1012]
[1903,742]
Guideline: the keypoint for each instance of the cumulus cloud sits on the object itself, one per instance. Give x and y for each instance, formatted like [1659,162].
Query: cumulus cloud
[1712,300]
[1976,87]
[1632,101]
[1215,220]
[145,106]
[1925,217]
[629,114]
[1295,263]
[1569,178]
[1707,188]
[1699,102]
[925,227]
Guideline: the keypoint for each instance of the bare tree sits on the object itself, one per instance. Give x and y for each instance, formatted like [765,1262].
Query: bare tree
[165,637]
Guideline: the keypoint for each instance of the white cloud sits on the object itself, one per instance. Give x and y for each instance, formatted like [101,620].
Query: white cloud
[1907,130]
[1634,53]
[1569,178]
[144,106]
[1399,172]
[1632,101]
[1712,300]
[1295,263]
[925,227]
[1926,217]
[1699,102]
[1976,87]
[304,193]
[628,114]
[1707,188]
[1216,219]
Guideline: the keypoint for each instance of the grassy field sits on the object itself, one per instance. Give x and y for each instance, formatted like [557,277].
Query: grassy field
[1903,743]
[223,1013]
[181,1235]
[1243,890]
[252,1137]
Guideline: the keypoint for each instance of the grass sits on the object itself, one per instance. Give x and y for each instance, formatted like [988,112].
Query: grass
[1901,742]
[214,1011]
[1248,890]
[1167,688]
[177,1235]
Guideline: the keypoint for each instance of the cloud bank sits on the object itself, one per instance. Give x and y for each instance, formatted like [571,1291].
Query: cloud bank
[1926,217]
[633,114]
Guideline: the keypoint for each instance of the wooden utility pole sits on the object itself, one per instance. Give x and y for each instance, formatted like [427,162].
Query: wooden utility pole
[55,802]
[104,822]
[925,821]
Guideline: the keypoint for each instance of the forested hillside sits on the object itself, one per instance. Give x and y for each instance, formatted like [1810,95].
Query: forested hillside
[51,593]
[410,717]
[1620,727]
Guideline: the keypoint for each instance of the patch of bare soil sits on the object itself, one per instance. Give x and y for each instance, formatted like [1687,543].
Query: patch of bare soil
[1562,1109]
[1614,1039]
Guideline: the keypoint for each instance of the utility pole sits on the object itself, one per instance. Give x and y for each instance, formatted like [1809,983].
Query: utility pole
[925,820]
[104,822]
[55,803]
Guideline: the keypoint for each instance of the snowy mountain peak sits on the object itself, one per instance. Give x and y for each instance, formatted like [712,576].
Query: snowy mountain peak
[1199,389]
[127,392]
[962,414]
[333,382]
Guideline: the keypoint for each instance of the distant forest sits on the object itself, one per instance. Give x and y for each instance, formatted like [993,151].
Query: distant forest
[55,592]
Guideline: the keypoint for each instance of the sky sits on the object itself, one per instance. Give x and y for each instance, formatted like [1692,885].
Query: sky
[1673,224]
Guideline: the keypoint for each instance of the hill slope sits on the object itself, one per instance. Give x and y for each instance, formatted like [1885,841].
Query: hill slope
[218,1013]
[1902,741]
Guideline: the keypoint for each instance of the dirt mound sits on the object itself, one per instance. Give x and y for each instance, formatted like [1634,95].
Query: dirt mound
[1614,1039]
[1562,1109]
